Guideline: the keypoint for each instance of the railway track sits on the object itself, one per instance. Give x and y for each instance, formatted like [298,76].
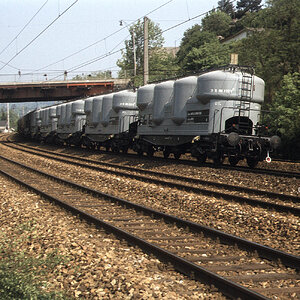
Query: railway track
[276,201]
[237,267]
[189,162]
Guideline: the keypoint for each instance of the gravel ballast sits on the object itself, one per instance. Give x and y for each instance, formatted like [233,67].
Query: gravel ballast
[273,229]
[98,266]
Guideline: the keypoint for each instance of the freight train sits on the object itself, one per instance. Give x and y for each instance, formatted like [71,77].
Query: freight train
[214,115]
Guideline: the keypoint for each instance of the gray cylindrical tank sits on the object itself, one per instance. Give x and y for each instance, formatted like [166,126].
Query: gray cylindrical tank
[184,89]
[33,119]
[125,100]
[44,113]
[52,112]
[77,107]
[88,104]
[227,85]
[145,96]
[38,114]
[106,107]
[96,110]
[38,118]
[163,93]
[42,116]
[63,114]
[58,110]
[58,114]
[68,113]
[47,118]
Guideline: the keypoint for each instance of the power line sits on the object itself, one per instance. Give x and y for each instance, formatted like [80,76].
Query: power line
[2,62]
[40,33]
[111,53]
[103,39]
[24,27]
[91,61]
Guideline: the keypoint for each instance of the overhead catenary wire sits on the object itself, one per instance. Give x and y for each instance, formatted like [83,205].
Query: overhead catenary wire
[24,27]
[60,15]
[111,53]
[103,39]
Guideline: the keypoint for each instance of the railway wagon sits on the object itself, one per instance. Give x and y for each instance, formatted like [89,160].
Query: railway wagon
[109,118]
[214,115]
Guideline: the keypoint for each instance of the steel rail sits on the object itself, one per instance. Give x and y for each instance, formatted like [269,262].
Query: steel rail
[226,286]
[295,199]
[190,269]
[225,196]
[278,173]
[263,251]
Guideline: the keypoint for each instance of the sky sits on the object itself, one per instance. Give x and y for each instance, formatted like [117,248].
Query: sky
[43,51]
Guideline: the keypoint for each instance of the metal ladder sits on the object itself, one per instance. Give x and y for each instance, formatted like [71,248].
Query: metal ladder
[246,96]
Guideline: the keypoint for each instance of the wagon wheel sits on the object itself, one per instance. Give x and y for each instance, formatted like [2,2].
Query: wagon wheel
[233,160]
[202,158]
[166,153]
[218,159]
[150,151]
[252,162]
[177,155]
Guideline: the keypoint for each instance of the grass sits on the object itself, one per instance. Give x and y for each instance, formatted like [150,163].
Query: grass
[23,275]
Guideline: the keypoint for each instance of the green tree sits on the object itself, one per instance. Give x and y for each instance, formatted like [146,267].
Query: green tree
[286,107]
[217,22]
[94,75]
[285,112]
[159,60]
[245,6]
[226,6]
[192,38]
[275,50]
[2,115]
[200,50]
[13,117]
[209,55]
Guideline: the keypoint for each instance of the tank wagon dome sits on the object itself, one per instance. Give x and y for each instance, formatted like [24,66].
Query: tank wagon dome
[227,85]
[163,93]
[184,89]
[43,116]
[77,107]
[52,112]
[124,100]
[38,113]
[47,116]
[96,109]
[58,113]
[106,107]
[33,119]
[88,104]
[58,110]
[63,114]
[68,113]
[145,96]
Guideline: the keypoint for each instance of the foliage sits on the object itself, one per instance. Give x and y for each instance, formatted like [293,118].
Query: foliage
[226,6]
[21,275]
[217,22]
[160,60]
[200,50]
[284,116]
[247,6]
[274,51]
[94,75]
[208,55]
[286,107]
[13,117]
